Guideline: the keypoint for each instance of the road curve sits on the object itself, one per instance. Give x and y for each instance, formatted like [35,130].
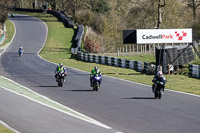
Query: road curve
[125,106]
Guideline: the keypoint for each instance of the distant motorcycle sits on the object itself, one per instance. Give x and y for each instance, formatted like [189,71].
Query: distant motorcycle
[159,89]
[20,52]
[61,78]
[96,81]
[12,15]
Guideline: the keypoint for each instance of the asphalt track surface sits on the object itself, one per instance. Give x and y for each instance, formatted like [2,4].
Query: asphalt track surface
[124,106]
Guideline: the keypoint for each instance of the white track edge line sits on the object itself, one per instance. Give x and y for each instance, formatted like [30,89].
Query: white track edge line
[83,117]
[7,126]
[93,121]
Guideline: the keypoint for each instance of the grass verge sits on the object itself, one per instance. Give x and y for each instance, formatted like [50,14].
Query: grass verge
[4,130]
[10,32]
[57,49]
[143,58]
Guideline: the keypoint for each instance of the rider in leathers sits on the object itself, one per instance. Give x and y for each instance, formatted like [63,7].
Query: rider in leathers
[158,77]
[59,68]
[94,71]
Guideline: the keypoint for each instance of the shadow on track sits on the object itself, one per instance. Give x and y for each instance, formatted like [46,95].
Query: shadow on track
[139,98]
[45,86]
[81,90]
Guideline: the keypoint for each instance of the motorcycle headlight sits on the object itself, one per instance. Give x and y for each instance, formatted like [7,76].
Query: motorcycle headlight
[97,78]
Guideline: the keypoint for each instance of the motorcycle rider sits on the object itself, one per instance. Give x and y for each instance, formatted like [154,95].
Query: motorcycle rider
[12,15]
[159,77]
[59,68]
[94,71]
[21,48]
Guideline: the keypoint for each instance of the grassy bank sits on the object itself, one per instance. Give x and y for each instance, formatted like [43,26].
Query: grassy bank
[9,34]
[142,58]
[57,49]
[4,130]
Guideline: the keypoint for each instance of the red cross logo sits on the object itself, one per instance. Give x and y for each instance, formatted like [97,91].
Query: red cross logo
[179,36]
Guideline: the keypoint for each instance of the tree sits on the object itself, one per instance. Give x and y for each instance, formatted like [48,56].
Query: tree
[98,6]
[142,14]
[160,12]
[5,6]
[194,4]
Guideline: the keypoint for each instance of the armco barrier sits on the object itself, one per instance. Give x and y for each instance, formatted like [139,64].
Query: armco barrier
[194,70]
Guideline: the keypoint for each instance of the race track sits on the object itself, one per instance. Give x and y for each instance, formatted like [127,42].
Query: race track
[124,106]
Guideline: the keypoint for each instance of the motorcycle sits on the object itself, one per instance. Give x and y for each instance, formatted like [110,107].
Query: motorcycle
[159,89]
[12,15]
[20,52]
[96,81]
[61,78]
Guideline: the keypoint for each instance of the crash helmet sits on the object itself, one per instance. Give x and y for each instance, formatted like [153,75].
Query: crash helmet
[159,74]
[61,64]
[96,68]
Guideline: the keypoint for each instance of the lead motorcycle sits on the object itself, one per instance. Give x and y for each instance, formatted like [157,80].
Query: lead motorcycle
[61,78]
[96,81]
[159,89]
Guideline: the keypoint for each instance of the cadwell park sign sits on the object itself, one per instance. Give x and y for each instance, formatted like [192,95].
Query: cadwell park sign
[144,36]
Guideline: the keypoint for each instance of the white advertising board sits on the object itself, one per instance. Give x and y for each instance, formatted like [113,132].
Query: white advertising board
[164,36]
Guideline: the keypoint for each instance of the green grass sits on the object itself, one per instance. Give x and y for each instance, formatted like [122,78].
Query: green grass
[143,58]
[59,38]
[57,49]
[4,130]
[9,35]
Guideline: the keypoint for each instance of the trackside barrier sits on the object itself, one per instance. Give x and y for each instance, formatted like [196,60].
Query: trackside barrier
[123,63]
[146,67]
[103,60]
[194,70]
[3,36]
[111,61]
[131,65]
[116,62]
[96,59]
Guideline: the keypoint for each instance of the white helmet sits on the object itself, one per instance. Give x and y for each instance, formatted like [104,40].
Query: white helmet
[61,64]
[96,68]
[159,74]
